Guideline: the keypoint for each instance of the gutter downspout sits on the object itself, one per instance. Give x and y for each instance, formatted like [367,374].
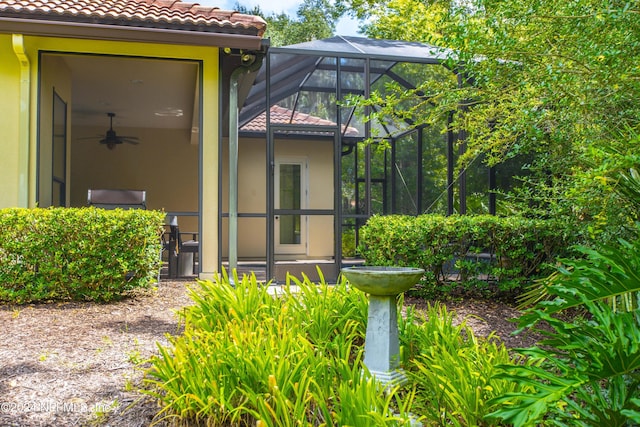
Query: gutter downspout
[23,120]
[250,62]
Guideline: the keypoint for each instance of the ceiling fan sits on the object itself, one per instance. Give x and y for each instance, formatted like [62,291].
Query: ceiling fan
[111,139]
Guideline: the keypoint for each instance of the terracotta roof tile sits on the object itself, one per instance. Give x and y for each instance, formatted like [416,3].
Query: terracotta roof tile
[170,14]
[281,115]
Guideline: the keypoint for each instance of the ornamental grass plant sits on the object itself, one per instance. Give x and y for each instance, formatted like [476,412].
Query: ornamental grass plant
[248,357]
[453,370]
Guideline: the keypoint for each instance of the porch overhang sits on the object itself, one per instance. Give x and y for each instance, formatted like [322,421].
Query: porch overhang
[83,30]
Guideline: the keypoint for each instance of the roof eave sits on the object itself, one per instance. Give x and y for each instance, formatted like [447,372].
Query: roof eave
[93,31]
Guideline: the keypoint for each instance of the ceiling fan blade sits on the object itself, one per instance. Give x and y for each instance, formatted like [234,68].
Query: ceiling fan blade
[111,139]
[84,138]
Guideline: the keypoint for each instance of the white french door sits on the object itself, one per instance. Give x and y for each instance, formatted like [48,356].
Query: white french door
[291,194]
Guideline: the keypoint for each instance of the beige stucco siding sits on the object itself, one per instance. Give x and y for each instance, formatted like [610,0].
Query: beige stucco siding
[252,197]
[252,194]
[319,154]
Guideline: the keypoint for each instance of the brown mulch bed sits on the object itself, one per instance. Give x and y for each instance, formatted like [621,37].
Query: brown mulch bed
[79,364]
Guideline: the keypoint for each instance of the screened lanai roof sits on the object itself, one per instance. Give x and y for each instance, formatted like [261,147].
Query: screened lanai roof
[304,77]
[362,47]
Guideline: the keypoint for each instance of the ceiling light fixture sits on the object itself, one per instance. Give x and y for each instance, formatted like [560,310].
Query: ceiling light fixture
[169,112]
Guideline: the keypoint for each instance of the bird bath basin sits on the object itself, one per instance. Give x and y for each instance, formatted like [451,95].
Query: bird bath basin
[383,280]
[382,347]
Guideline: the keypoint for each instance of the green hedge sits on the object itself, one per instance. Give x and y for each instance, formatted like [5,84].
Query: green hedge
[77,253]
[472,251]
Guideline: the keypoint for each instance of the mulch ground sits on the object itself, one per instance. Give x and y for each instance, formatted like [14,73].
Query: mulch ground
[81,364]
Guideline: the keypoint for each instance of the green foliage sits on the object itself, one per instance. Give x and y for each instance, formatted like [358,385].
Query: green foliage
[389,20]
[553,82]
[80,254]
[315,20]
[453,368]
[629,185]
[349,243]
[248,357]
[478,249]
[587,370]
[626,184]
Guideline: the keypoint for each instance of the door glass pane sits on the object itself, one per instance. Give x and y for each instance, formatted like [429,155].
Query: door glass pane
[290,198]
[290,229]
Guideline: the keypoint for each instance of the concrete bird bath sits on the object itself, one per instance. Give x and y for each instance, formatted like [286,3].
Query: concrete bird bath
[382,347]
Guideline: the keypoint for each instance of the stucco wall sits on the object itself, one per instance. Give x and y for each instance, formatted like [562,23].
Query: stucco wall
[252,194]
[9,118]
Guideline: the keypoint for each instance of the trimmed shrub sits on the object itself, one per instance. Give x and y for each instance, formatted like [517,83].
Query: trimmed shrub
[77,253]
[469,251]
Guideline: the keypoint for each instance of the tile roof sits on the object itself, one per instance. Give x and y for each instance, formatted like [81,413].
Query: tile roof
[167,14]
[281,116]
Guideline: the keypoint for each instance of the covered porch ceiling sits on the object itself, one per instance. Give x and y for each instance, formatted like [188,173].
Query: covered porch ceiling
[143,92]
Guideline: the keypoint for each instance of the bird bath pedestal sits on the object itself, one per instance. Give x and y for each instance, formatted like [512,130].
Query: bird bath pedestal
[382,347]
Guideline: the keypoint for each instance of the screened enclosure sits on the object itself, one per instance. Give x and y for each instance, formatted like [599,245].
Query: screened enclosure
[325,169]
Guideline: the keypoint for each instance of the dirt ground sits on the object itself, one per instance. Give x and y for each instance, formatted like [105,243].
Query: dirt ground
[80,364]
